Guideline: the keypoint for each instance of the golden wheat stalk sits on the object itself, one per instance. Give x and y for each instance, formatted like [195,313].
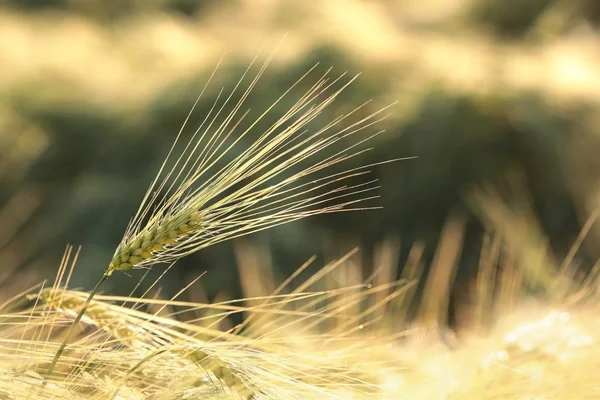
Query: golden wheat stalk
[204,200]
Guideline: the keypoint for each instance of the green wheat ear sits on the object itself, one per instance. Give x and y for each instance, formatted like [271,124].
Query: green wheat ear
[154,241]
[198,202]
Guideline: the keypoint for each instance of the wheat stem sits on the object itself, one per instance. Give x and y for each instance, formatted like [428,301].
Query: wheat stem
[63,345]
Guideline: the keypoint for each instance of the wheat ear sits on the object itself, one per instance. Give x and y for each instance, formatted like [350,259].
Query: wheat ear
[204,204]
[199,201]
[210,364]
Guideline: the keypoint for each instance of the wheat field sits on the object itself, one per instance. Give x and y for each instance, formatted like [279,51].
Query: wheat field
[320,342]
[527,323]
[498,100]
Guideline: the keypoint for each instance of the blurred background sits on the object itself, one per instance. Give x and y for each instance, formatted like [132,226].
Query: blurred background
[499,101]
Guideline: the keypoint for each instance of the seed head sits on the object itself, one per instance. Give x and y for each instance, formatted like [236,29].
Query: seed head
[202,199]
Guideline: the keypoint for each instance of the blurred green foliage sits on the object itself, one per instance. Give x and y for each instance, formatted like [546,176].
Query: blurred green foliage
[510,18]
[113,9]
